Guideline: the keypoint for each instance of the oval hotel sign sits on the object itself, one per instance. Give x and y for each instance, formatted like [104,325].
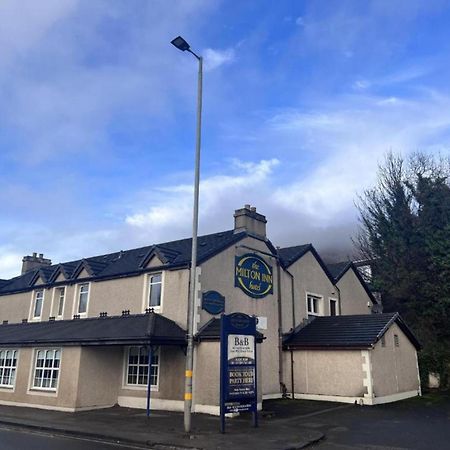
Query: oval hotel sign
[253,275]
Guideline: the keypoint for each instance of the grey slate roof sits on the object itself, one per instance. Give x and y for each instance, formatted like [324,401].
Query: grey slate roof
[338,269]
[129,262]
[148,328]
[211,331]
[351,332]
[289,255]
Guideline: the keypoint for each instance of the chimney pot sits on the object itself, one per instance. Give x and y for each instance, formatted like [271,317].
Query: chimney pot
[248,220]
[34,262]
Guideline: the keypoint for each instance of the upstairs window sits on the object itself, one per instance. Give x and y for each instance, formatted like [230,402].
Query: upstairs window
[313,302]
[83,298]
[396,340]
[60,294]
[154,293]
[38,302]
[333,307]
[8,367]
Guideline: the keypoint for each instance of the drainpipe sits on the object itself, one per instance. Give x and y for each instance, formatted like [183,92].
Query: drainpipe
[292,374]
[280,329]
[293,298]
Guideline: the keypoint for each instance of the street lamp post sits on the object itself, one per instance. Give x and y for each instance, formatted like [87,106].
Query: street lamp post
[182,45]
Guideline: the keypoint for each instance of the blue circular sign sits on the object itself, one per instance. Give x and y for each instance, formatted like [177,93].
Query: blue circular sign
[213,302]
[253,275]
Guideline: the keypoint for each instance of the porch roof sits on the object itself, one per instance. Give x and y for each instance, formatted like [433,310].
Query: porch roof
[150,328]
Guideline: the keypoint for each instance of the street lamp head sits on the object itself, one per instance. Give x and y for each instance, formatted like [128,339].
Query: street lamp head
[180,44]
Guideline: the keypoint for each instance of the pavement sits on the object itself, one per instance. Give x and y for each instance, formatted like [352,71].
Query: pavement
[164,430]
[418,423]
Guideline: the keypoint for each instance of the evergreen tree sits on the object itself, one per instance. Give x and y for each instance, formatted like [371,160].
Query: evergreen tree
[405,231]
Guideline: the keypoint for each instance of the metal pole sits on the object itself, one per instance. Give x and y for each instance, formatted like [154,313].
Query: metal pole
[193,274]
[149,382]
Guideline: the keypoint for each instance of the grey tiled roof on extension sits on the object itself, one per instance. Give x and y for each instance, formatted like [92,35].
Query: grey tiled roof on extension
[338,269]
[211,331]
[345,332]
[128,262]
[148,328]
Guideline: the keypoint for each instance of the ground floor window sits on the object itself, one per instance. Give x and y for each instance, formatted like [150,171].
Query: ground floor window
[46,369]
[137,366]
[8,367]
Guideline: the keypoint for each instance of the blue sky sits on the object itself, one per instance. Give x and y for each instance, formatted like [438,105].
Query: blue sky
[301,101]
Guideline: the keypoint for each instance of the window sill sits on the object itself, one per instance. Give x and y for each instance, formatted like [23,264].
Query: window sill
[141,387]
[44,392]
[6,388]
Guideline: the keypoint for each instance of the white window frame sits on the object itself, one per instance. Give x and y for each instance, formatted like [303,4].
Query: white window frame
[56,295]
[3,367]
[34,368]
[139,387]
[77,299]
[335,300]
[319,299]
[33,304]
[146,292]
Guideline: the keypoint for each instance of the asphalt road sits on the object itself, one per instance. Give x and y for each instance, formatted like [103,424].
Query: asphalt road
[18,439]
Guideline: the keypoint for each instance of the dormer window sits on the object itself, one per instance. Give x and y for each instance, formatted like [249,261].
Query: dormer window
[154,293]
[38,302]
[83,298]
[60,294]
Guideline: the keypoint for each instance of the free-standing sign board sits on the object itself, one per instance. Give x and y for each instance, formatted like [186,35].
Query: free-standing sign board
[238,382]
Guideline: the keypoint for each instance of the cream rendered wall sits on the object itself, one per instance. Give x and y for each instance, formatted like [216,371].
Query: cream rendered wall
[112,296]
[325,372]
[15,307]
[354,298]
[66,394]
[207,376]
[171,377]
[218,274]
[394,369]
[309,278]
[99,376]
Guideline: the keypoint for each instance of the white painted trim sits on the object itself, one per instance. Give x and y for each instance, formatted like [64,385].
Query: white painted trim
[395,397]
[53,408]
[13,387]
[146,292]
[43,391]
[335,300]
[135,387]
[197,299]
[155,403]
[358,400]
[320,304]
[272,396]
[207,409]
[367,369]
[31,317]
[418,374]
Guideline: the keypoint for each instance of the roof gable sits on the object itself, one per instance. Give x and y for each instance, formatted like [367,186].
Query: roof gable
[130,262]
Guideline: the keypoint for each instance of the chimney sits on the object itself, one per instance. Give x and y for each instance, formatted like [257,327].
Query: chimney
[34,262]
[247,219]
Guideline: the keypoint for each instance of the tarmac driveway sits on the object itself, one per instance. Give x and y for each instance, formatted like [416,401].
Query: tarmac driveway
[418,423]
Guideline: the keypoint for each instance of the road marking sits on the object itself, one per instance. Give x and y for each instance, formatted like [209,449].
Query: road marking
[62,435]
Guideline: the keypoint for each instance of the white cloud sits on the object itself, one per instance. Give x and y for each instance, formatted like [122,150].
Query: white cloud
[217,58]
